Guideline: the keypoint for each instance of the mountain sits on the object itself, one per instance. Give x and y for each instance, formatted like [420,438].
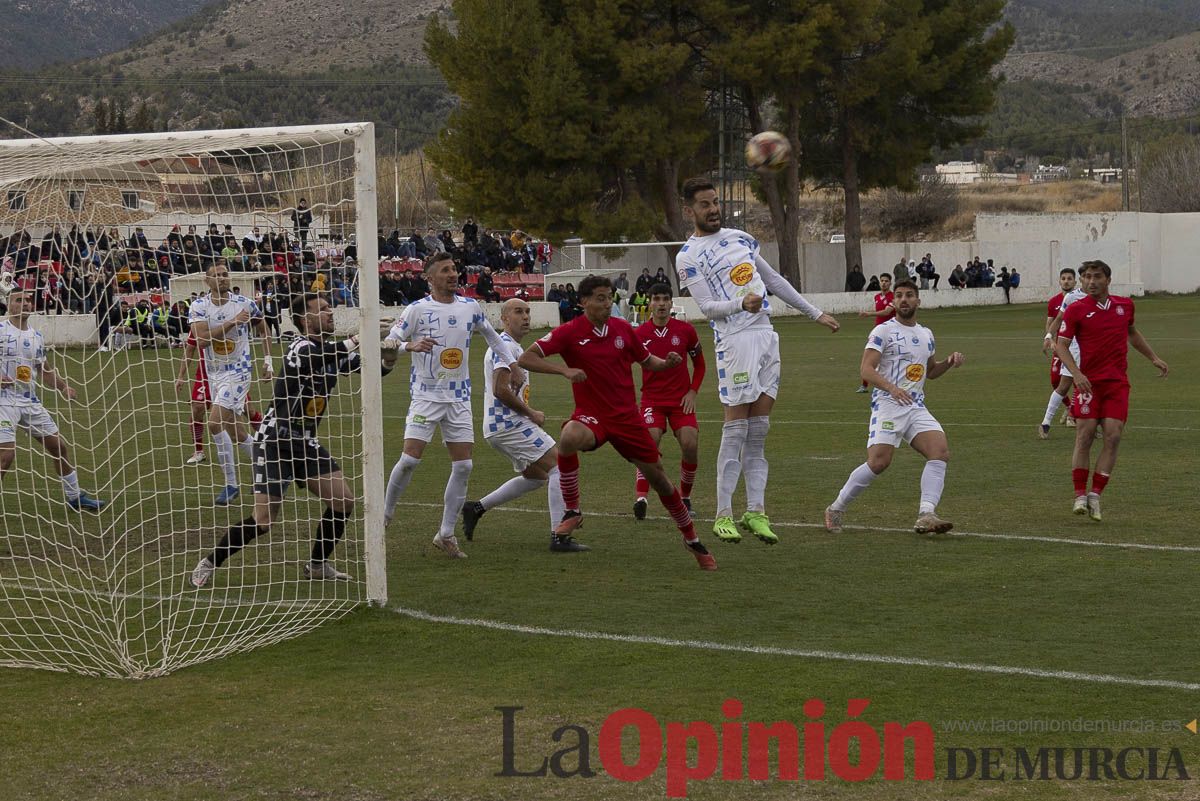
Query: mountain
[1162,80]
[1099,28]
[286,35]
[40,32]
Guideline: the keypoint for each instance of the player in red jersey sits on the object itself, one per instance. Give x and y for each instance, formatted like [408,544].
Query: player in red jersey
[202,398]
[669,396]
[1103,326]
[885,308]
[599,351]
[1060,381]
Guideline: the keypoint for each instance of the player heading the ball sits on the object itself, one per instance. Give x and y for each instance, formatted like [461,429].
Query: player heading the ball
[729,279]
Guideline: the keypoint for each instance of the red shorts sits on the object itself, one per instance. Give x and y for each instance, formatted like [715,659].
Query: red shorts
[661,416]
[201,392]
[1055,371]
[627,434]
[1107,399]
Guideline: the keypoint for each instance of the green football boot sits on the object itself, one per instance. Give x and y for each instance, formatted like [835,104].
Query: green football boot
[725,530]
[758,524]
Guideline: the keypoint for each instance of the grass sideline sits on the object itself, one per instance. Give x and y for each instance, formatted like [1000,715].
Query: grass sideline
[383,706]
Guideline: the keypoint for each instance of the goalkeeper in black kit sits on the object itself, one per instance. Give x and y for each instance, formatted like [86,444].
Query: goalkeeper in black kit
[286,449]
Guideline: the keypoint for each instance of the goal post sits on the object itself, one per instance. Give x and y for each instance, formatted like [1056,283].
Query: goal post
[92,230]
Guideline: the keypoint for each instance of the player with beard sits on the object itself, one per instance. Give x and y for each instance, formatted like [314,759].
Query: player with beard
[729,279]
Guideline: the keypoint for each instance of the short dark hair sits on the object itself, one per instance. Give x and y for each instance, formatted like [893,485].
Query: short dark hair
[907,284]
[694,186]
[1066,270]
[434,258]
[1096,264]
[660,289]
[299,309]
[886,275]
[590,284]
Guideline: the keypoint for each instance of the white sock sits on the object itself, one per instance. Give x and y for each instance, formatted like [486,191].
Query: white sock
[226,457]
[557,507]
[933,479]
[1056,401]
[754,462]
[456,495]
[859,480]
[70,484]
[402,473]
[729,462]
[247,446]
[509,491]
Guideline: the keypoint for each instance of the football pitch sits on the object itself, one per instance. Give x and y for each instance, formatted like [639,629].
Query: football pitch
[1027,628]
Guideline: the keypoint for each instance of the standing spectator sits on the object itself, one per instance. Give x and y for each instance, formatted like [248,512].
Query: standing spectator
[1014,278]
[528,256]
[270,310]
[855,280]
[899,272]
[644,281]
[873,284]
[470,232]
[929,273]
[1005,283]
[545,252]
[301,222]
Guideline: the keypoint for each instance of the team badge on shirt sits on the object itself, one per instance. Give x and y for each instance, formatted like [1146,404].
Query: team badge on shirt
[619,343]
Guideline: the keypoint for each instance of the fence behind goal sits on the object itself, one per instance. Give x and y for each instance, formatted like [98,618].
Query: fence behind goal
[107,593]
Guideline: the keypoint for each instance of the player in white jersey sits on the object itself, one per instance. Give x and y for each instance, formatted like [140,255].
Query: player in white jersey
[1070,294]
[221,322]
[729,279]
[899,358]
[22,359]
[437,330]
[513,427]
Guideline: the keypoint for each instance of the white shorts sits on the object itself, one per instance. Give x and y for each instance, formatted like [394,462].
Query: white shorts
[1063,372]
[748,366]
[523,446]
[892,424]
[34,419]
[453,417]
[230,389]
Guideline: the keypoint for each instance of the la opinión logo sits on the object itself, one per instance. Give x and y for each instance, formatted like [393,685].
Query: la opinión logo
[734,750]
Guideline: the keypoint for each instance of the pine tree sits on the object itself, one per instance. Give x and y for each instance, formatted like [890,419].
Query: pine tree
[575,116]
[101,113]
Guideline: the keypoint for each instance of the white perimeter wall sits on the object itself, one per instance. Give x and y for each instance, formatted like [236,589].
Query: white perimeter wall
[1158,251]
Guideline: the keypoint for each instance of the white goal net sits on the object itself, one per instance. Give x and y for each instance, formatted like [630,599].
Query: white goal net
[107,242]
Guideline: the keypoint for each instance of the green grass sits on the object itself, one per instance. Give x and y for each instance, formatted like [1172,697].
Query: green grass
[380,705]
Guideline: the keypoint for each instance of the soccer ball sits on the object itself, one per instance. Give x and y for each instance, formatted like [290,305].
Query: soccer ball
[768,151]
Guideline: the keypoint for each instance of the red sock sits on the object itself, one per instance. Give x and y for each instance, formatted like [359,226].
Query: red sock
[643,486]
[1099,482]
[687,477]
[568,470]
[680,514]
[198,435]
[1079,475]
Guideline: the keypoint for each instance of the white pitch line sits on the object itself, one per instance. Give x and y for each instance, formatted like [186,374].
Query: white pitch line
[801,653]
[1139,546]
